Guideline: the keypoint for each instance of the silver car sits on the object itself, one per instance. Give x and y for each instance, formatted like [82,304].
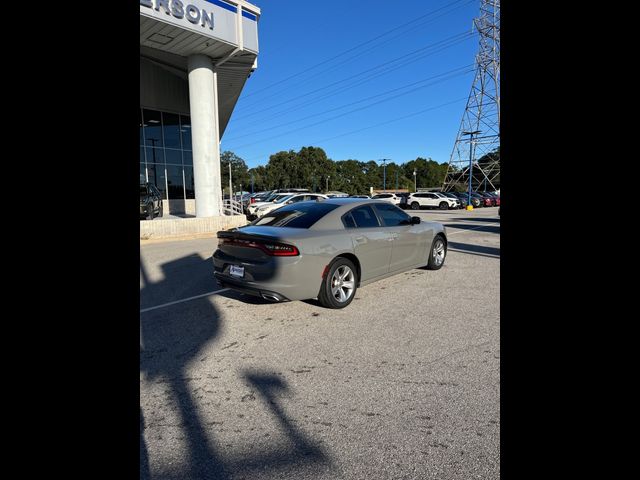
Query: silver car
[325,250]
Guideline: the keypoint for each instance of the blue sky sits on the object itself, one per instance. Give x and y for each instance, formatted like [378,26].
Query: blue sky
[300,95]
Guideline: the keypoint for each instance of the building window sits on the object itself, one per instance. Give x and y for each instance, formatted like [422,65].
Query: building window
[185,129]
[152,128]
[189,186]
[171,129]
[175,182]
[166,159]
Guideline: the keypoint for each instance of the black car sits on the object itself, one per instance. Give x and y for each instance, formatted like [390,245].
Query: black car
[462,197]
[150,201]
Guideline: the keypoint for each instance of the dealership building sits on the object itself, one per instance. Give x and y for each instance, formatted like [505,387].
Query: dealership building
[195,57]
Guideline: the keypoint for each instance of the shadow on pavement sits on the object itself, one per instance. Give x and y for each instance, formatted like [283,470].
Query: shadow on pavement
[170,339]
[478,219]
[188,277]
[481,228]
[474,249]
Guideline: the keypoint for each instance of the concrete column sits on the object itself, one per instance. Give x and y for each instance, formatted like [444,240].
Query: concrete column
[205,135]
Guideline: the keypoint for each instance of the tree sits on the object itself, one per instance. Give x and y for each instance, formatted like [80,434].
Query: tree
[429,173]
[239,171]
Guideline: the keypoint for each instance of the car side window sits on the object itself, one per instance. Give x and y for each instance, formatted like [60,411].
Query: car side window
[348,221]
[362,217]
[392,215]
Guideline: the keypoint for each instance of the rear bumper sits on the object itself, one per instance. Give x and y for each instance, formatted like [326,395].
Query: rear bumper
[287,278]
[243,287]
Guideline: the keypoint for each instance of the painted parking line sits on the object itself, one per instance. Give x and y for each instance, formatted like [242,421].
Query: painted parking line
[183,300]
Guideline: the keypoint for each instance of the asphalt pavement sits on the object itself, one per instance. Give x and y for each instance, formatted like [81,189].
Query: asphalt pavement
[404,383]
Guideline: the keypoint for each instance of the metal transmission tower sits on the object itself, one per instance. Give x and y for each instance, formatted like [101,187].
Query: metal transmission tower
[476,153]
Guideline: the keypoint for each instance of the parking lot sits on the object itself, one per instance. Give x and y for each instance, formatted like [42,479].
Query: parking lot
[403,383]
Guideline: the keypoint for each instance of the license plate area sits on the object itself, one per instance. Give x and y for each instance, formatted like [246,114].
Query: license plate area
[236,271]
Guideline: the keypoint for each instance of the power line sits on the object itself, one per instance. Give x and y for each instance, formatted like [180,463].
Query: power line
[461,70]
[324,62]
[377,124]
[443,44]
[348,112]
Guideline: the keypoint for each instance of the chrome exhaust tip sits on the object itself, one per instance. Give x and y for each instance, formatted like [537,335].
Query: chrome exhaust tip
[270,296]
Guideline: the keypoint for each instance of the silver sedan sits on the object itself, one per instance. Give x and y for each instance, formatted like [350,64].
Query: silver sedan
[326,250]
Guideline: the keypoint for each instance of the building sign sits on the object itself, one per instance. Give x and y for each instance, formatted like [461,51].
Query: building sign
[212,18]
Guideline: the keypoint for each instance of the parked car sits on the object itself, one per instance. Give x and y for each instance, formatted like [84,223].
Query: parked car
[477,200]
[403,199]
[461,203]
[431,200]
[463,198]
[488,200]
[335,194]
[496,197]
[253,207]
[359,196]
[325,250]
[288,200]
[150,201]
[388,197]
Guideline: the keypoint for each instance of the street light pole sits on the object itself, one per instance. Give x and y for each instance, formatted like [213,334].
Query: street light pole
[415,184]
[327,183]
[230,184]
[471,134]
[384,173]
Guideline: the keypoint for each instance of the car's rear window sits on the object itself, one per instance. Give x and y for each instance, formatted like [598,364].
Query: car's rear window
[296,215]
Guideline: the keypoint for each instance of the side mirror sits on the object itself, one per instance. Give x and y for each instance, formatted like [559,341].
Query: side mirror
[415,220]
[289,201]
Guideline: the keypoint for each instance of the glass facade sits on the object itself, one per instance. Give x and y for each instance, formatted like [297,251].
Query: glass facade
[166,160]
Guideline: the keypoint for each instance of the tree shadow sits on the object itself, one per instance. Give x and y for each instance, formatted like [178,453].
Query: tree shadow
[477,219]
[474,249]
[481,228]
[170,339]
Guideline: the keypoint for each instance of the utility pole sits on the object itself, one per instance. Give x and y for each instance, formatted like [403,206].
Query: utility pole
[327,183]
[396,180]
[230,184]
[482,110]
[384,172]
[415,184]
[471,134]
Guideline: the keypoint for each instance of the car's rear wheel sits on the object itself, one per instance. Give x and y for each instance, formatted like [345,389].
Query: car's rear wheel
[437,254]
[160,210]
[339,285]
[444,205]
[415,205]
[150,211]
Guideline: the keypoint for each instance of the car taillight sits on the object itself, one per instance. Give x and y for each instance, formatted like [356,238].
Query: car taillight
[273,249]
[253,200]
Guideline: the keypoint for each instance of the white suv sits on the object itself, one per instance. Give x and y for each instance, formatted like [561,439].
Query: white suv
[292,198]
[388,197]
[253,207]
[431,200]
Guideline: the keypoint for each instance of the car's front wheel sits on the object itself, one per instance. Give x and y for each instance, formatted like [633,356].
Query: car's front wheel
[150,211]
[437,254]
[415,205]
[339,285]
[444,205]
